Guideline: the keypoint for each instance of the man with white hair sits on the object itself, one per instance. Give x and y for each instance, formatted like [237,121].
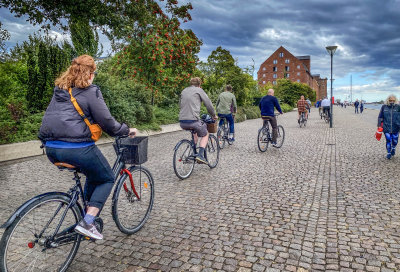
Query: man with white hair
[267,106]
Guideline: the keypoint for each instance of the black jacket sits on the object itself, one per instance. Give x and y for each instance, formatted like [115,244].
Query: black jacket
[390,116]
[62,122]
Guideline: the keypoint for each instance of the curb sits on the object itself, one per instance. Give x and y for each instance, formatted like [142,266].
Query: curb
[10,152]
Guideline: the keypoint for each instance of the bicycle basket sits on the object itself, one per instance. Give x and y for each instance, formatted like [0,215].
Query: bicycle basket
[134,150]
[212,127]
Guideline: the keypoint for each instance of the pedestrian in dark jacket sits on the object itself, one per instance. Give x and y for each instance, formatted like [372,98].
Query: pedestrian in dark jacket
[389,118]
[356,104]
[361,107]
[67,137]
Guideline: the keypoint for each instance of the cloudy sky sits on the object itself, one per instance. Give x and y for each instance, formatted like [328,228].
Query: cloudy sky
[367,33]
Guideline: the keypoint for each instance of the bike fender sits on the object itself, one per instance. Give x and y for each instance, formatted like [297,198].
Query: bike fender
[17,213]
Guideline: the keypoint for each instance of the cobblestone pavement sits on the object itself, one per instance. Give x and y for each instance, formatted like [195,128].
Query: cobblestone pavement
[326,201]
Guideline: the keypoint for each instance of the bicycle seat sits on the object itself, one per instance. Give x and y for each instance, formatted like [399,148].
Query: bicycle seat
[64,165]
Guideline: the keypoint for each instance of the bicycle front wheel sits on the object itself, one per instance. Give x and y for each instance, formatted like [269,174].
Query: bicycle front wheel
[184,159]
[221,137]
[212,151]
[29,243]
[133,200]
[281,137]
[262,140]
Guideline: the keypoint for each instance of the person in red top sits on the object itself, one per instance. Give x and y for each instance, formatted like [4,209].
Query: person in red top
[302,106]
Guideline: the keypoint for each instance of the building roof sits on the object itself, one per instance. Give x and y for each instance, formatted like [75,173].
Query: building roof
[303,57]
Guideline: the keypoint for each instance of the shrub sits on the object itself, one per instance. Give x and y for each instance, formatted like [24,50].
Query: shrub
[286,107]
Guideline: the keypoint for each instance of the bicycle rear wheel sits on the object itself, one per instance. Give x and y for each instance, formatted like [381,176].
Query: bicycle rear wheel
[184,159]
[281,137]
[262,139]
[27,244]
[221,137]
[131,210]
[212,151]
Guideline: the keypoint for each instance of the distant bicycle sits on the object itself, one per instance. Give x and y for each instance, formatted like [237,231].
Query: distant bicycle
[326,117]
[265,137]
[40,235]
[302,120]
[185,155]
[223,134]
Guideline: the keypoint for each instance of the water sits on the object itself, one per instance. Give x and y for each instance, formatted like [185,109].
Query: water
[373,106]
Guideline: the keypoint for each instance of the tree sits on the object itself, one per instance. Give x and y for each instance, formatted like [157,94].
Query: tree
[289,92]
[4,36]
[160,55]
[84,38]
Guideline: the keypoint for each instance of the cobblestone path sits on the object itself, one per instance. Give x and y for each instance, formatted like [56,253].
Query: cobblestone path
[326,201]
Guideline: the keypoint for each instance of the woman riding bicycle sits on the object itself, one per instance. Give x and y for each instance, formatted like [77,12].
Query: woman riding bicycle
[67,137]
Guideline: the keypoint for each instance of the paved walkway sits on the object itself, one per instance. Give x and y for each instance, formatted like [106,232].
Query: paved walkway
[326,201]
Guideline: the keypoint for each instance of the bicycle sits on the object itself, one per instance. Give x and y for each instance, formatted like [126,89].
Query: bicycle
[303,120]
[40,235]
[223,133]
[185,153]
[326,116]
[265,136]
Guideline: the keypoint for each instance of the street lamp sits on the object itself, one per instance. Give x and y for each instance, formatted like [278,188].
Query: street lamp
[331,50]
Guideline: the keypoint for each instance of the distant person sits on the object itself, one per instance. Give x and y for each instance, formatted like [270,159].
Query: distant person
[226,108]
[356,104]
[361,106]
[309,105]
[302,106]
[318,105]
[326,106]
[267,106]
[389,119]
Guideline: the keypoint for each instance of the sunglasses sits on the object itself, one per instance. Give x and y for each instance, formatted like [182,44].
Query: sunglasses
[95,73]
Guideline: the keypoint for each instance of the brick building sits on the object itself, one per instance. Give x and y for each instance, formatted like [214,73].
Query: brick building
[282,64]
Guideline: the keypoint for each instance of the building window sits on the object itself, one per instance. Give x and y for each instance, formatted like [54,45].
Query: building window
[287,61]
[263,82]
[298,73]
[298,80]
[263,75]
[298,66]
[274,82]
[287,75]
[275,61]
[275,69]
[281,55]
[274,76]
[263,68]
[286,68]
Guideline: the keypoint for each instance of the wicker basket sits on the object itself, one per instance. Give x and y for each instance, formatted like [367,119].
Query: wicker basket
[212,127]
[135,150]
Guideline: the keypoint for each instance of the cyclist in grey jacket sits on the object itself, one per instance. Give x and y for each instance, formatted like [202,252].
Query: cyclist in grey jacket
[389,118]
[189,114]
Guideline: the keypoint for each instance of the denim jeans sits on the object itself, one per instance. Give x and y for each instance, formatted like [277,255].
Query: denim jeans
[230,120]
[391,141]
[99,175]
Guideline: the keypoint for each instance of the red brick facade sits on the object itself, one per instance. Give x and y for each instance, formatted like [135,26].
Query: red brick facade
[283,64]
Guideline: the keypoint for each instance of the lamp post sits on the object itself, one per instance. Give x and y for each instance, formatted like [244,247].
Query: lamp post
[331,50]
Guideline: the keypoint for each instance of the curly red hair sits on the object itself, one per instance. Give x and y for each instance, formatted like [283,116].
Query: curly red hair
[78,73]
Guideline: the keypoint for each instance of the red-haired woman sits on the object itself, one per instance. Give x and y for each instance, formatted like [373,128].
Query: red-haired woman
[67,137]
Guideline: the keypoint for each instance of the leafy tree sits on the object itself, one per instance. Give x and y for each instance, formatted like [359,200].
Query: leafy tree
[4,36]
[289,92]
[84,38]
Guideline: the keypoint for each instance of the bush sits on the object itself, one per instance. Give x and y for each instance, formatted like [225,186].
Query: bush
[286,107]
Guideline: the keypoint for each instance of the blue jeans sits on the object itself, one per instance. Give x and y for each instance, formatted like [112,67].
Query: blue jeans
[99,175]
[391,141]
[229,118]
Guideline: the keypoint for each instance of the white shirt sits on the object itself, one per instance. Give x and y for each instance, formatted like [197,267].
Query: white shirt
[325,103]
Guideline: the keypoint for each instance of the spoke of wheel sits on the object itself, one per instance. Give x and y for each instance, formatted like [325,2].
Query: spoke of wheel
[20,261]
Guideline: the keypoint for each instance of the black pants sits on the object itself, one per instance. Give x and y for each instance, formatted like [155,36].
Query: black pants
[327,110]
[274,125]
[99,175]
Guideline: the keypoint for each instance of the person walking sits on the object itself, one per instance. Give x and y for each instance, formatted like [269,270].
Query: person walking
[267,107]
[226,108]
[361,106]
[356,104]
[189,114]
[67,137]
[389,119]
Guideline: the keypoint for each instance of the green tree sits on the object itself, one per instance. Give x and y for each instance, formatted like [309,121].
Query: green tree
[84,38]
[289,92]
[4,36]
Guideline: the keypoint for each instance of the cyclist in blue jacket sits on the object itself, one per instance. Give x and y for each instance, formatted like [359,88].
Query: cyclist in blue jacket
[267,106]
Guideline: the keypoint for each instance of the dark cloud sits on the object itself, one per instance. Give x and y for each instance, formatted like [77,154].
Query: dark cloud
[366,31]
